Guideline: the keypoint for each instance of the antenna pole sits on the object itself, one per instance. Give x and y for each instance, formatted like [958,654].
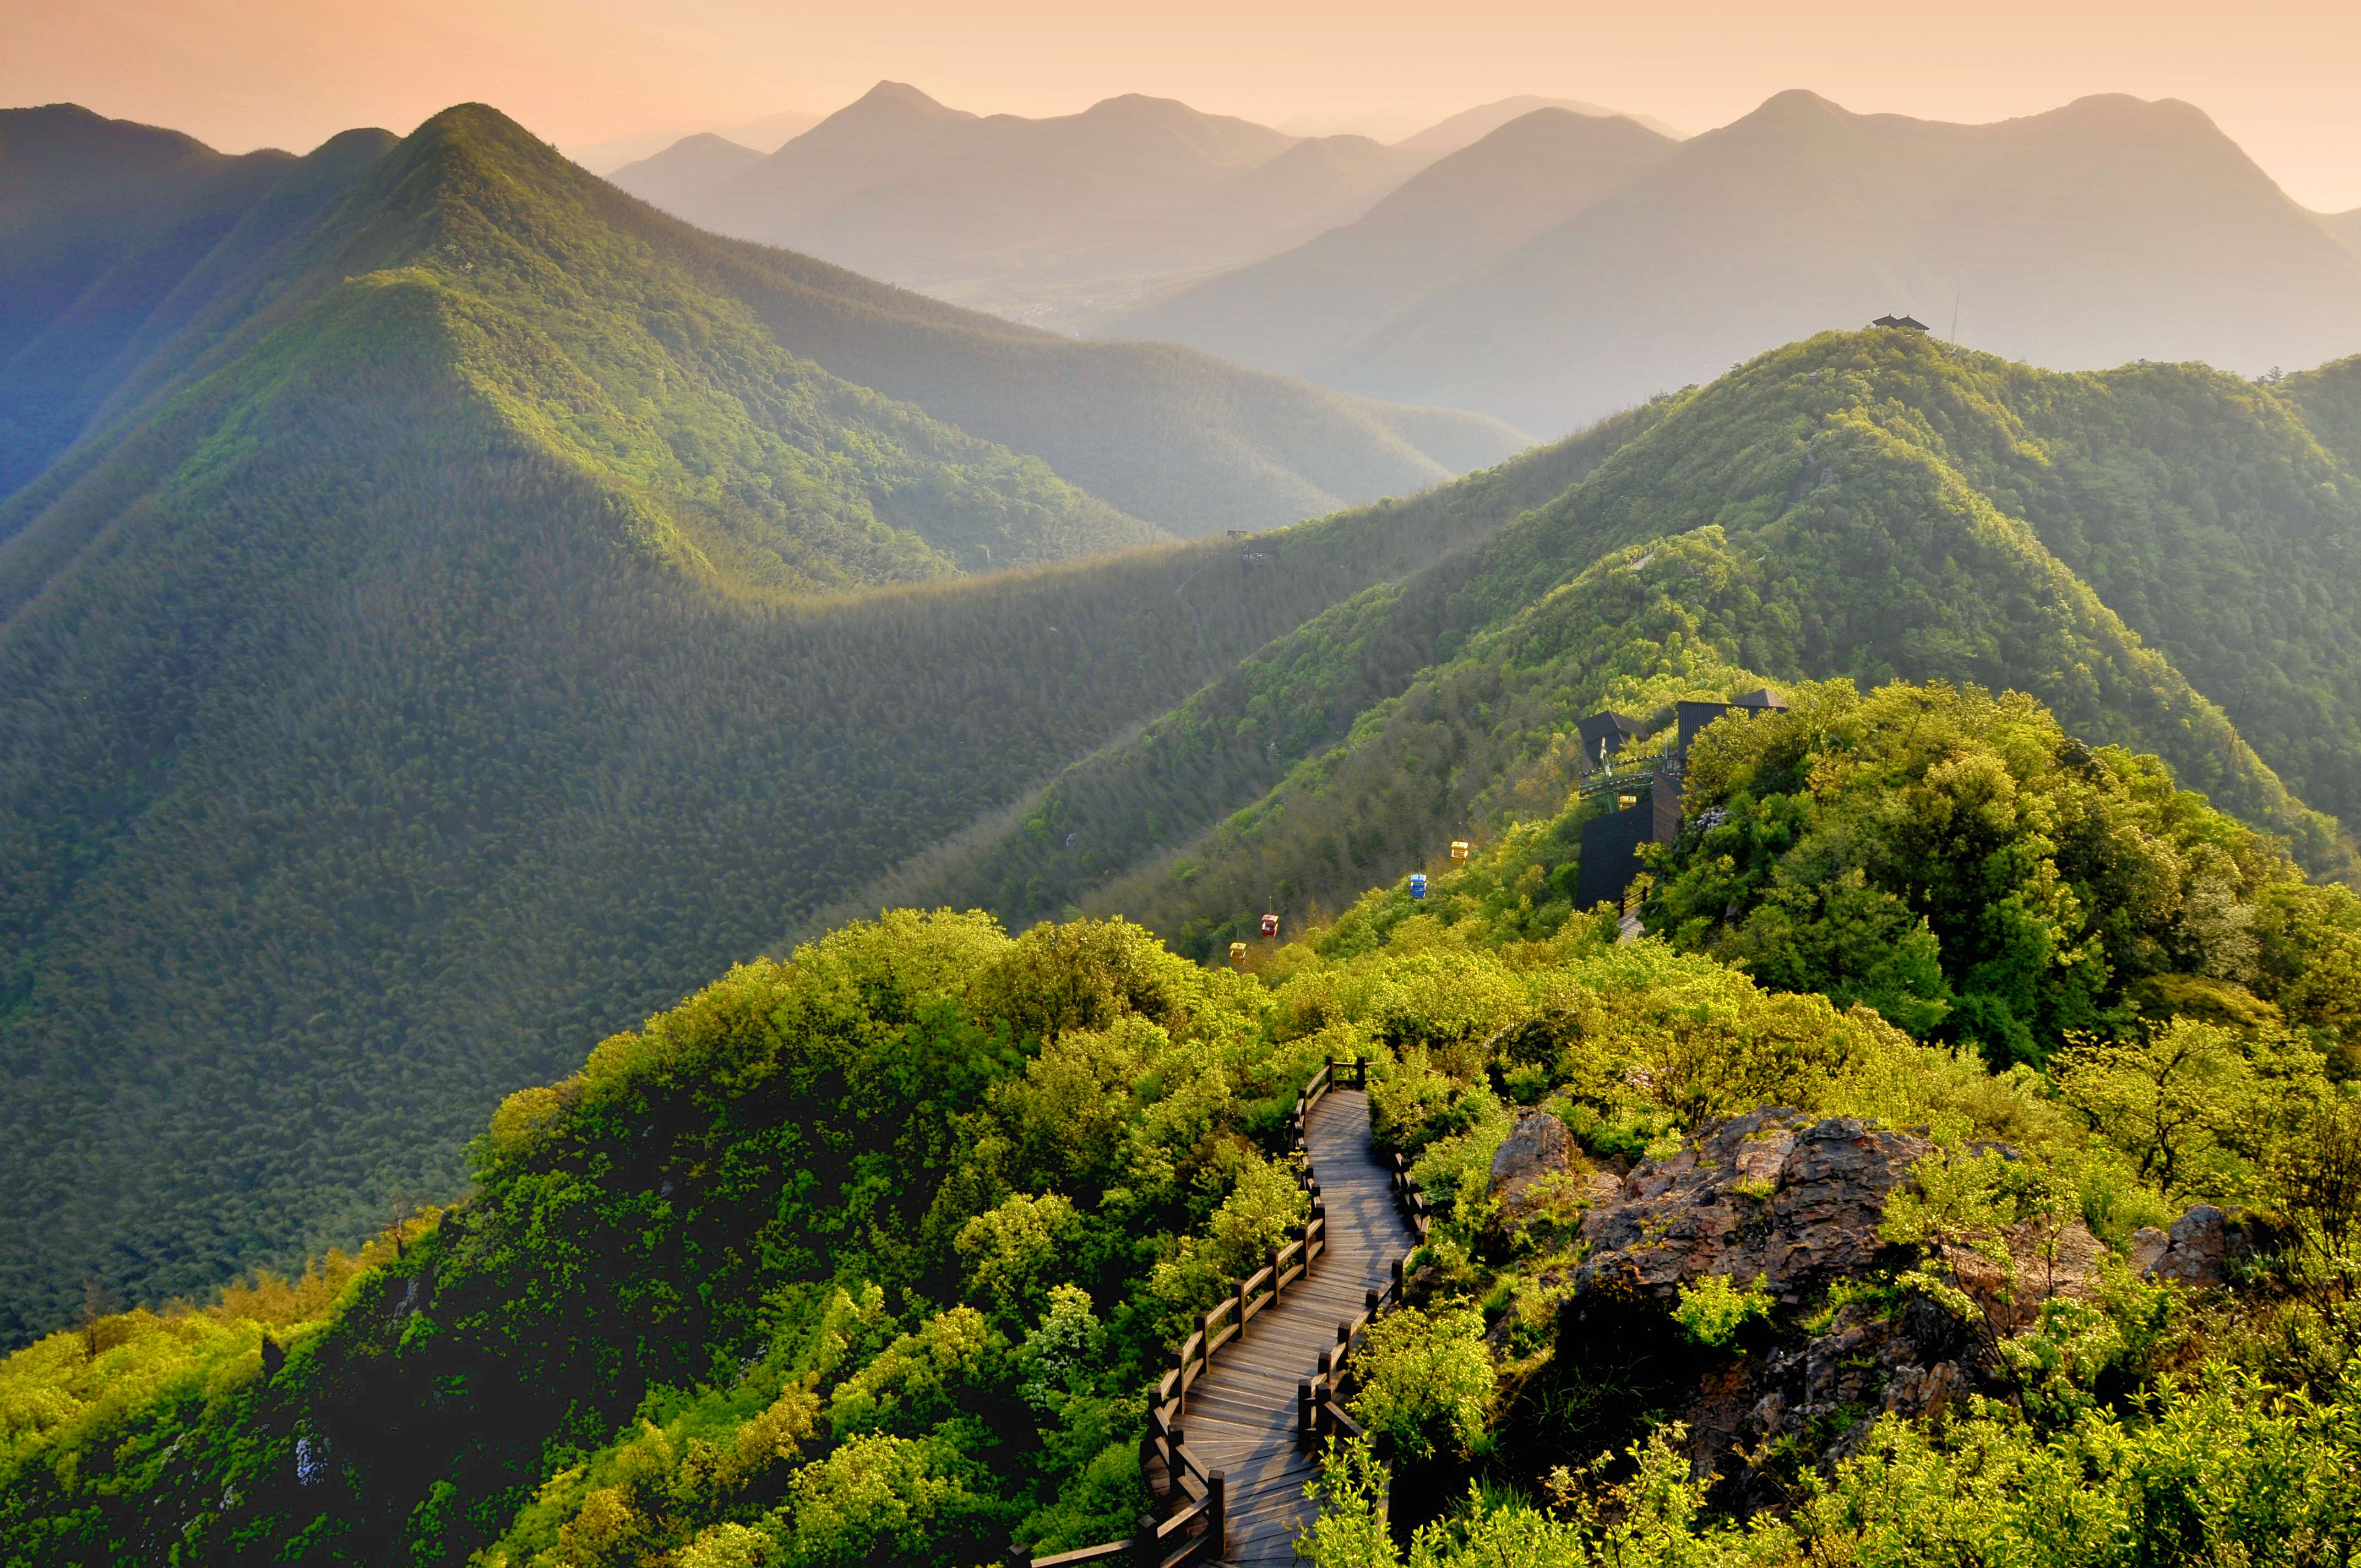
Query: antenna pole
[1955,314]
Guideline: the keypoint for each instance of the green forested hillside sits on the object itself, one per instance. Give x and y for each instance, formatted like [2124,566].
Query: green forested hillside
[1870,504]
[868,1256]
[133,251]
[419,669]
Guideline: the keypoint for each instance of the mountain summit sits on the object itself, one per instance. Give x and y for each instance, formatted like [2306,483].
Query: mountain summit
[1297,309]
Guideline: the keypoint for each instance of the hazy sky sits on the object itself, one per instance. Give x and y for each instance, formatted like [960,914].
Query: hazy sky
[2282,76]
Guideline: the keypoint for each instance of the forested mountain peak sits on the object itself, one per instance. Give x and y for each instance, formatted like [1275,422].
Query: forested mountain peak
[483,555]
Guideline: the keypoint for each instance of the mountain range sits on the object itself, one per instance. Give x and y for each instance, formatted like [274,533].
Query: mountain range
[466,605]
[1306,306]
[1872,505]
[137,254]
[1059,221]
[2108,230]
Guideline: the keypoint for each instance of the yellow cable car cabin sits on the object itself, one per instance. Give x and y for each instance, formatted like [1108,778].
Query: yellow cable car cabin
[1237,952]
[1459,849]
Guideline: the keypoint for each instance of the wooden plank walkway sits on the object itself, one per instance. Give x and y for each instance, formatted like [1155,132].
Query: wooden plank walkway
[1240,1415]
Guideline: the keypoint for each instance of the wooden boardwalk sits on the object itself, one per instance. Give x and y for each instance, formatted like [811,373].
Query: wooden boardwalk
[1240,1415]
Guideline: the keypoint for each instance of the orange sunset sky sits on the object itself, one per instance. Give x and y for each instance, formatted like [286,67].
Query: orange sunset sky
[2282,78]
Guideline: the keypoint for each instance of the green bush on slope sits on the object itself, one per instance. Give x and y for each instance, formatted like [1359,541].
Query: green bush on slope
[1957,860]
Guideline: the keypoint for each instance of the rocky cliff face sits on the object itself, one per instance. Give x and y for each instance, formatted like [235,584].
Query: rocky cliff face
[1794,1205]
[1772,1194]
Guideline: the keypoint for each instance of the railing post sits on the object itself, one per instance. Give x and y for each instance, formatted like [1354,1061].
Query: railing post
[1242,1307]
[1145,1551]
[1217,1514]
[1274,1276]
[1303,1414]
[1398,1279]
[1369,1300]
[1020,1557]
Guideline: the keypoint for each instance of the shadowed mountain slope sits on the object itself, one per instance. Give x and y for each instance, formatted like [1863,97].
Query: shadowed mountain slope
[2108,230]
[99,221]
[1301,308]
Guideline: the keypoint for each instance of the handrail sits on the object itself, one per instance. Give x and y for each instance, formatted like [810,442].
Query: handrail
[1166,1440]
[1320,1400]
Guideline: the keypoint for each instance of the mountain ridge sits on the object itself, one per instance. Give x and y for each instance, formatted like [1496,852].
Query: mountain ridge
[1375,760]
[1290,312]
[1801,215]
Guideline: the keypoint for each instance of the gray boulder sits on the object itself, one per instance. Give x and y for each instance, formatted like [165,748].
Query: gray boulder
[1537,1148]
[1773,1194]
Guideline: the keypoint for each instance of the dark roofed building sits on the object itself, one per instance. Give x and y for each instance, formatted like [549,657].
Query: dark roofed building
[1611,844]
[1604,734]
[1913,323]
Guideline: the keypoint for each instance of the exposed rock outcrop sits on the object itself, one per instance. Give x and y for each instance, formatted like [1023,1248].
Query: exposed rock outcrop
[1773,1194]
[2203,1243]
[1798,1203]
[1536,1150]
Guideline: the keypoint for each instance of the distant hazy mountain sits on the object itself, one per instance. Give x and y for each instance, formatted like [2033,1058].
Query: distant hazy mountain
[1469,126]
[765,134]
[2345,226]
[1059,219]
[686,171]
[2108,230]
[1298,309]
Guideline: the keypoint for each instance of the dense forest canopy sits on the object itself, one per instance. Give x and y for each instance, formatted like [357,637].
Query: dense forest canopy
[869,1254]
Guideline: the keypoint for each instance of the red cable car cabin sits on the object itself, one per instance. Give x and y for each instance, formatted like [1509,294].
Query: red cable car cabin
[1270,925]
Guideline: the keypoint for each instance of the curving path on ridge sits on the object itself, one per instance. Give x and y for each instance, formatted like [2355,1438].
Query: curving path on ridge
[1240,1415]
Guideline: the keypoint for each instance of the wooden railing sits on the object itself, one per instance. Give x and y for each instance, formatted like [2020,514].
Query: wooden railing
[1319,1403]
[1195,1499]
